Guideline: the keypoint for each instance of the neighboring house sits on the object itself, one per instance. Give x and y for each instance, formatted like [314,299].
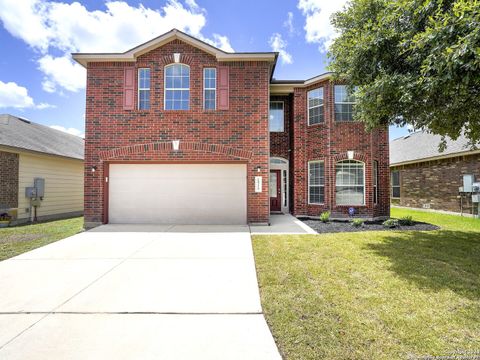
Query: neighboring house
[28,151]
[178,131]
[424,177]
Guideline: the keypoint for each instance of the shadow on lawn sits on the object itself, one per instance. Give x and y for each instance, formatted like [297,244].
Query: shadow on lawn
[436,260]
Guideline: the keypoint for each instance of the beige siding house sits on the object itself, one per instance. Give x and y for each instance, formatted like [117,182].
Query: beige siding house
[30,151]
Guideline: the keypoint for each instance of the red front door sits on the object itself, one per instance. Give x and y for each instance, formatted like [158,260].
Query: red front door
[275,190]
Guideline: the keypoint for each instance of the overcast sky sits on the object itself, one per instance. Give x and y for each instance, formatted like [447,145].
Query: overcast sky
[39,80]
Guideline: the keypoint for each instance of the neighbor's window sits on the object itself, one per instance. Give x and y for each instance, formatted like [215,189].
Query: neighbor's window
[375,181]
[316,182]
[350,183]
[344,103]
[177,87]
[395,184]
[209,88]
[143,89]
[315,106]
[276,123]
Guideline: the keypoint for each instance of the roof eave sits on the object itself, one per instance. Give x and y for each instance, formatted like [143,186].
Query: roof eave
[433,158]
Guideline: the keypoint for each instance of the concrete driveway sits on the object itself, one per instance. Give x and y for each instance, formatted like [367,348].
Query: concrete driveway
[136,292]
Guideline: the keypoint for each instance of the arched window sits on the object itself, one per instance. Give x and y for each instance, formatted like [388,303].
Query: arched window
[350,182]
[177,87]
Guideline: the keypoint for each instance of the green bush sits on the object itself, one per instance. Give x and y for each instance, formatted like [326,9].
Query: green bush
[406,221]
[325,216]
[390,223]
[357,222]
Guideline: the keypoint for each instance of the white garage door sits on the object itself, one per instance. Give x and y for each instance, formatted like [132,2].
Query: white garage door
[178,193]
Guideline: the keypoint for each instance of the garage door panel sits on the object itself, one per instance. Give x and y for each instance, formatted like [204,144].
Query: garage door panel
[177,194]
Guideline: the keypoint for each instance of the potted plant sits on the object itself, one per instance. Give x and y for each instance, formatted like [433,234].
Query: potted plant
[5,220]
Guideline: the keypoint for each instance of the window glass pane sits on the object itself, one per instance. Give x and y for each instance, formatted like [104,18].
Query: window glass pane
[315,106]
[396,191]
[316,181]
[143,89]
[209,88]
[177,87]
[344,103]
[349,187]
[276,122]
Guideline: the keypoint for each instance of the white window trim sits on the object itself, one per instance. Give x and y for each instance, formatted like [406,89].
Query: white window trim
[364,184]
[341,103]
[173,89]
[283,113]
[314,107]
[142,89]
[205,88]
[308,176]
[392,186]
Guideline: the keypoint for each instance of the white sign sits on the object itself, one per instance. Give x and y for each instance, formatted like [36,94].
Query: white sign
[258,184]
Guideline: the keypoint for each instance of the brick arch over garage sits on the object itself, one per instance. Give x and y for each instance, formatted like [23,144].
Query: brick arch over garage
[165,150]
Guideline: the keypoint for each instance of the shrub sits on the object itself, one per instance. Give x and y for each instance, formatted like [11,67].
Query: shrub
[5,217]
[390,223]
[325,216]
[357,222]
[406,221]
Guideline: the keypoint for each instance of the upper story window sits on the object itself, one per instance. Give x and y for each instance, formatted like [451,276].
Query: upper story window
[209,88]
[395,184]
[344,103]
[315,106]
[143,88]
[277,120]
[177,87]
[316,182]
[350,182]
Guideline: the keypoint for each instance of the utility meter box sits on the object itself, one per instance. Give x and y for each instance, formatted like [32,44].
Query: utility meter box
[30,192]
[39,184]
[467,183]
[476,198]
[476,187]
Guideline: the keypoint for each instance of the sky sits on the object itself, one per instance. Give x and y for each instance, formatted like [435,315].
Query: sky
[39,81]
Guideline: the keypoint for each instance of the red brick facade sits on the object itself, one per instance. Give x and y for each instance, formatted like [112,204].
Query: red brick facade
[8,180]
[434,184]
[239,134]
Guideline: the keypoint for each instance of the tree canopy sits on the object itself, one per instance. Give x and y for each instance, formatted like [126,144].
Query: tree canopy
[414,61]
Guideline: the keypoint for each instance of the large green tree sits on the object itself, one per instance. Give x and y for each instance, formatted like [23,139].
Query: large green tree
[415,62]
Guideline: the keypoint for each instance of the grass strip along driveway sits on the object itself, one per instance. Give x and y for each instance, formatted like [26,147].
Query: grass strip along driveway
[374,295]
[20,239]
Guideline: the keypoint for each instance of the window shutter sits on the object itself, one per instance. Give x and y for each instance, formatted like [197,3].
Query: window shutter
[129,88]
[223,88]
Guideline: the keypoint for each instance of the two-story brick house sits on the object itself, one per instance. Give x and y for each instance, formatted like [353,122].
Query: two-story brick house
[178,131]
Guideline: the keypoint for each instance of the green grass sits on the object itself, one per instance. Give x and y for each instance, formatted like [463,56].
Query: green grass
[375,295]
[20,239]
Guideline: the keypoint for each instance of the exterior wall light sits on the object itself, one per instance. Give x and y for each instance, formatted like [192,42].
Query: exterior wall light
[258,168]
[94,168]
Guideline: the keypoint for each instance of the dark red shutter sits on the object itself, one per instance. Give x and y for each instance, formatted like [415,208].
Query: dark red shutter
[223,87]
[129,88]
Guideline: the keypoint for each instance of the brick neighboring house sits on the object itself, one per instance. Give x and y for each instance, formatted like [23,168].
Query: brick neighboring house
[423,177]
[178,131]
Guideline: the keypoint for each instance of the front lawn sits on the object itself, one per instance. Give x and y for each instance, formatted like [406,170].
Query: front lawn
[20,239]
[376,295]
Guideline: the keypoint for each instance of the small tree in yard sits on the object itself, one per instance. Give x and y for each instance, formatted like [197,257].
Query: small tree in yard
[414,61]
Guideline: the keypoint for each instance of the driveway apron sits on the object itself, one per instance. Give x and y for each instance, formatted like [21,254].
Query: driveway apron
[136,292]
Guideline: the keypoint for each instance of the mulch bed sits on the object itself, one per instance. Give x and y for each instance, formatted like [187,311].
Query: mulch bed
[336,226]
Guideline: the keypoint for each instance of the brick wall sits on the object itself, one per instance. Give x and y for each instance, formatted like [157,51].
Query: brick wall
[8,180]
[434,184]
[239,134]
[329,141]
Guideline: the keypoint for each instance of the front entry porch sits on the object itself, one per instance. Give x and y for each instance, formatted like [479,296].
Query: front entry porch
[278,186]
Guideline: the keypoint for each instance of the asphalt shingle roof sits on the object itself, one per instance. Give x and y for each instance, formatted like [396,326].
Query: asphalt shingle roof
[23,134]
[421,145]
